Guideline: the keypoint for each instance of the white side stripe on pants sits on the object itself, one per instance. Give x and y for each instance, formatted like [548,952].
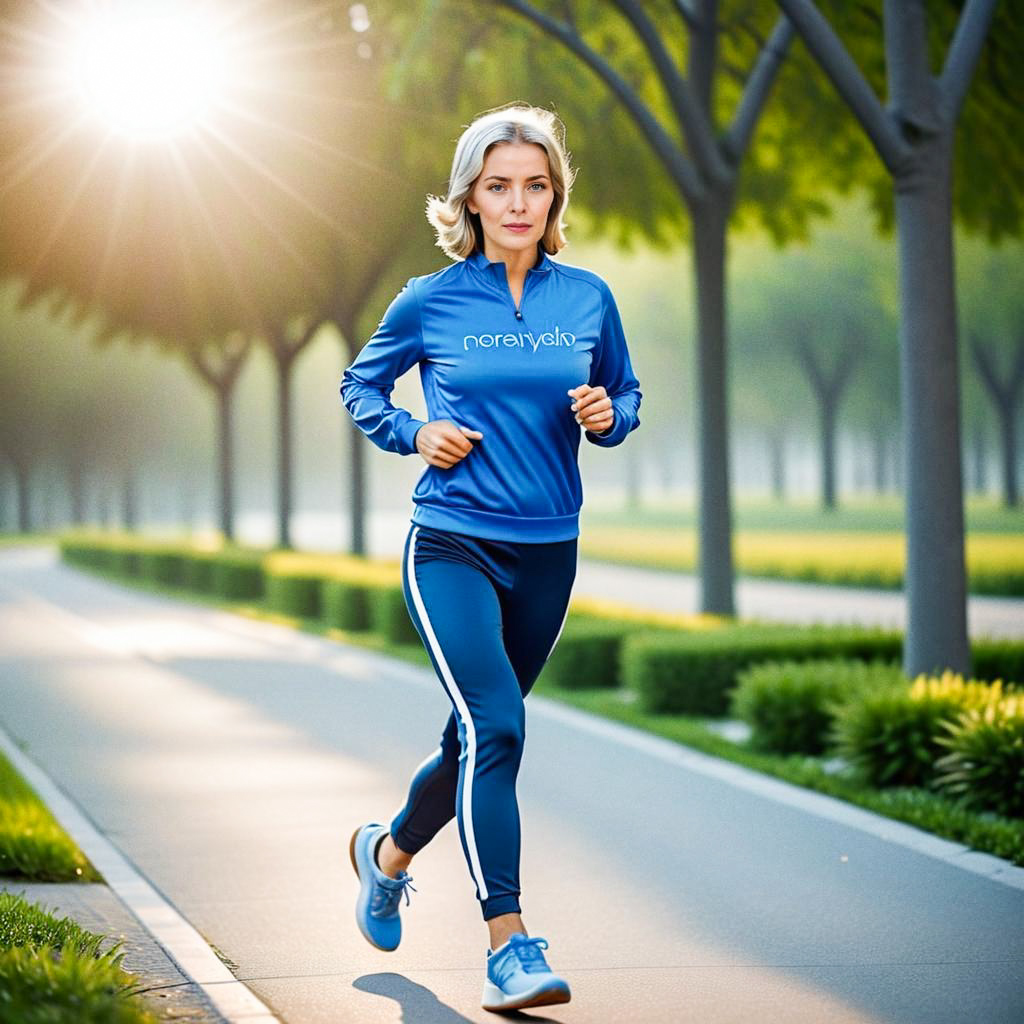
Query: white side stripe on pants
[460,704]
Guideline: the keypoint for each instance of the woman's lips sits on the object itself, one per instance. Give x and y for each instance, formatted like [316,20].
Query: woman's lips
[518,228]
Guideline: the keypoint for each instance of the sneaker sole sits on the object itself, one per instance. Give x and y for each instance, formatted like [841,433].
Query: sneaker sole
[355,868]
[497,1002]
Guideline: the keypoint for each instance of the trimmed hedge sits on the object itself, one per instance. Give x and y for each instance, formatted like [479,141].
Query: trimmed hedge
[694,673]
[346,605]
[587,654]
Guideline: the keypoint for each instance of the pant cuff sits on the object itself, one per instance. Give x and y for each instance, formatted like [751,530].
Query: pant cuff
[500,905]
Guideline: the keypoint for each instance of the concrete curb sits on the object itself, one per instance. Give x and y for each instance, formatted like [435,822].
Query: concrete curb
[182,943]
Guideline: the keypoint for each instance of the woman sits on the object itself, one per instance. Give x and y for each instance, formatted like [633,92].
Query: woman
[517,353]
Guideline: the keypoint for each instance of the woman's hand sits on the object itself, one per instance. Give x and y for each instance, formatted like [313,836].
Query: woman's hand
[442,443]
[593,408]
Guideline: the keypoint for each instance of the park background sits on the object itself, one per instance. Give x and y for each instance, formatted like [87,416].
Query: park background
[810,217]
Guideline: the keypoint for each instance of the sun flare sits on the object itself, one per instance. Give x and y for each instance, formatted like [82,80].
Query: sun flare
[150,69]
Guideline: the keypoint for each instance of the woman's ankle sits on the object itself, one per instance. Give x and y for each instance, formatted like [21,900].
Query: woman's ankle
[390,859]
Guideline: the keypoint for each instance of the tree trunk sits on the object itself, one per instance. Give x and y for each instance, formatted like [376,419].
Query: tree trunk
[76,488]
[129,500]
[633,481]
[936,635]
[1008,429]
[777,457]
[22,475]
[827,403]
[226,458]
[978,459]
[284,452]
[358,490]
[715,563]
[880,455]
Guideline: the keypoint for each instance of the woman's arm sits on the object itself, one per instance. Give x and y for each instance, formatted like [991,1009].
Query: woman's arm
[612,370]
[366,385]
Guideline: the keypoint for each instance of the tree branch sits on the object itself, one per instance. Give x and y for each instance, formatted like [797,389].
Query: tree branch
[987,371]
[848,80]
[680,169]
[964,52]
[755,94]
[685,11]
[695,124]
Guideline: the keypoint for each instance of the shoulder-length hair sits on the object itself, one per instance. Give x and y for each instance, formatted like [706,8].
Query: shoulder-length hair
[459,232]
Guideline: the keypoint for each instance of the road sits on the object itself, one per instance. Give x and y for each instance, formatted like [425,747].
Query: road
[230,759]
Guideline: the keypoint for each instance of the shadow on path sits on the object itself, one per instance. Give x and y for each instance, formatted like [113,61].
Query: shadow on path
[420,1005]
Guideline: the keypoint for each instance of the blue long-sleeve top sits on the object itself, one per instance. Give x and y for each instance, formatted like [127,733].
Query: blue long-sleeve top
[488,366]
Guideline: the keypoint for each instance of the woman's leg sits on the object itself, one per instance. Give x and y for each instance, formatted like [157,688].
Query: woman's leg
[456,609]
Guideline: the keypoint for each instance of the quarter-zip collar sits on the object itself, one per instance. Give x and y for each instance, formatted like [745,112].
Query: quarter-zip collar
[497,270]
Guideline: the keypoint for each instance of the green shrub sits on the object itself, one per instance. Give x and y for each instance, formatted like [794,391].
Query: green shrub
[984,765]
[390,617]
[999,659]
[198,571]
[790,705]
[346,605]
[587,654]
[296,594]
[694,673]
[166,567]
[890,737]
[238,575]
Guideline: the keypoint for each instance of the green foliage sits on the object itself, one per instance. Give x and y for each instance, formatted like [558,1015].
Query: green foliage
[346,605]
[28,924]
[790,705]
[693,673]
[52,972]
[294,594]
[984,765]
[891,737]
[238,575]
[32,844]
[587,654]
[389,615]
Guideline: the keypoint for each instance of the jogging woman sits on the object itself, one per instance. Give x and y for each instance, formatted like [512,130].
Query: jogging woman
[517,354]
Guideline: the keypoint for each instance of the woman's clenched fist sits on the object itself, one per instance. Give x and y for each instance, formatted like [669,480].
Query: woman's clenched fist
[442,443]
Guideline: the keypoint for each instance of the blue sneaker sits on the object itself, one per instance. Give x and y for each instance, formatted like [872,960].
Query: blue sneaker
[518,976]
[379,895]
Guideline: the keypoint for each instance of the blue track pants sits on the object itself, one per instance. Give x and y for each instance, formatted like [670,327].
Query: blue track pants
[490,613]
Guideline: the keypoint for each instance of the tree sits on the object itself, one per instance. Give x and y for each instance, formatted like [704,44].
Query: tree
[679,117]
[914,137]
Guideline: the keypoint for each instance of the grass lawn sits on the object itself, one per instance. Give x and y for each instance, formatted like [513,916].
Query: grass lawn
[32,844]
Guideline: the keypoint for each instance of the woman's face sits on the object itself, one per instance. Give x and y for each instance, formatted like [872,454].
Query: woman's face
[514,189]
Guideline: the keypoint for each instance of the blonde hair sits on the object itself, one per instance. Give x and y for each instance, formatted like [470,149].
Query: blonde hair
[458,231]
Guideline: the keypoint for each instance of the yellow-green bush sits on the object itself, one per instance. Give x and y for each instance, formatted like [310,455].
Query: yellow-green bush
[984,765]
[891,737]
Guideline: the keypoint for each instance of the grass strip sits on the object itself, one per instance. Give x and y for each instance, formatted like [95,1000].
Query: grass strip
[53,972]
[32,843]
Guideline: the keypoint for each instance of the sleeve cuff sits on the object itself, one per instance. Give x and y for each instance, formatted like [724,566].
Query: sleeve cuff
[407,435]
[616,435]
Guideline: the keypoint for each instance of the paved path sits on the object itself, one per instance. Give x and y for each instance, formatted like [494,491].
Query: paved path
[230,759]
